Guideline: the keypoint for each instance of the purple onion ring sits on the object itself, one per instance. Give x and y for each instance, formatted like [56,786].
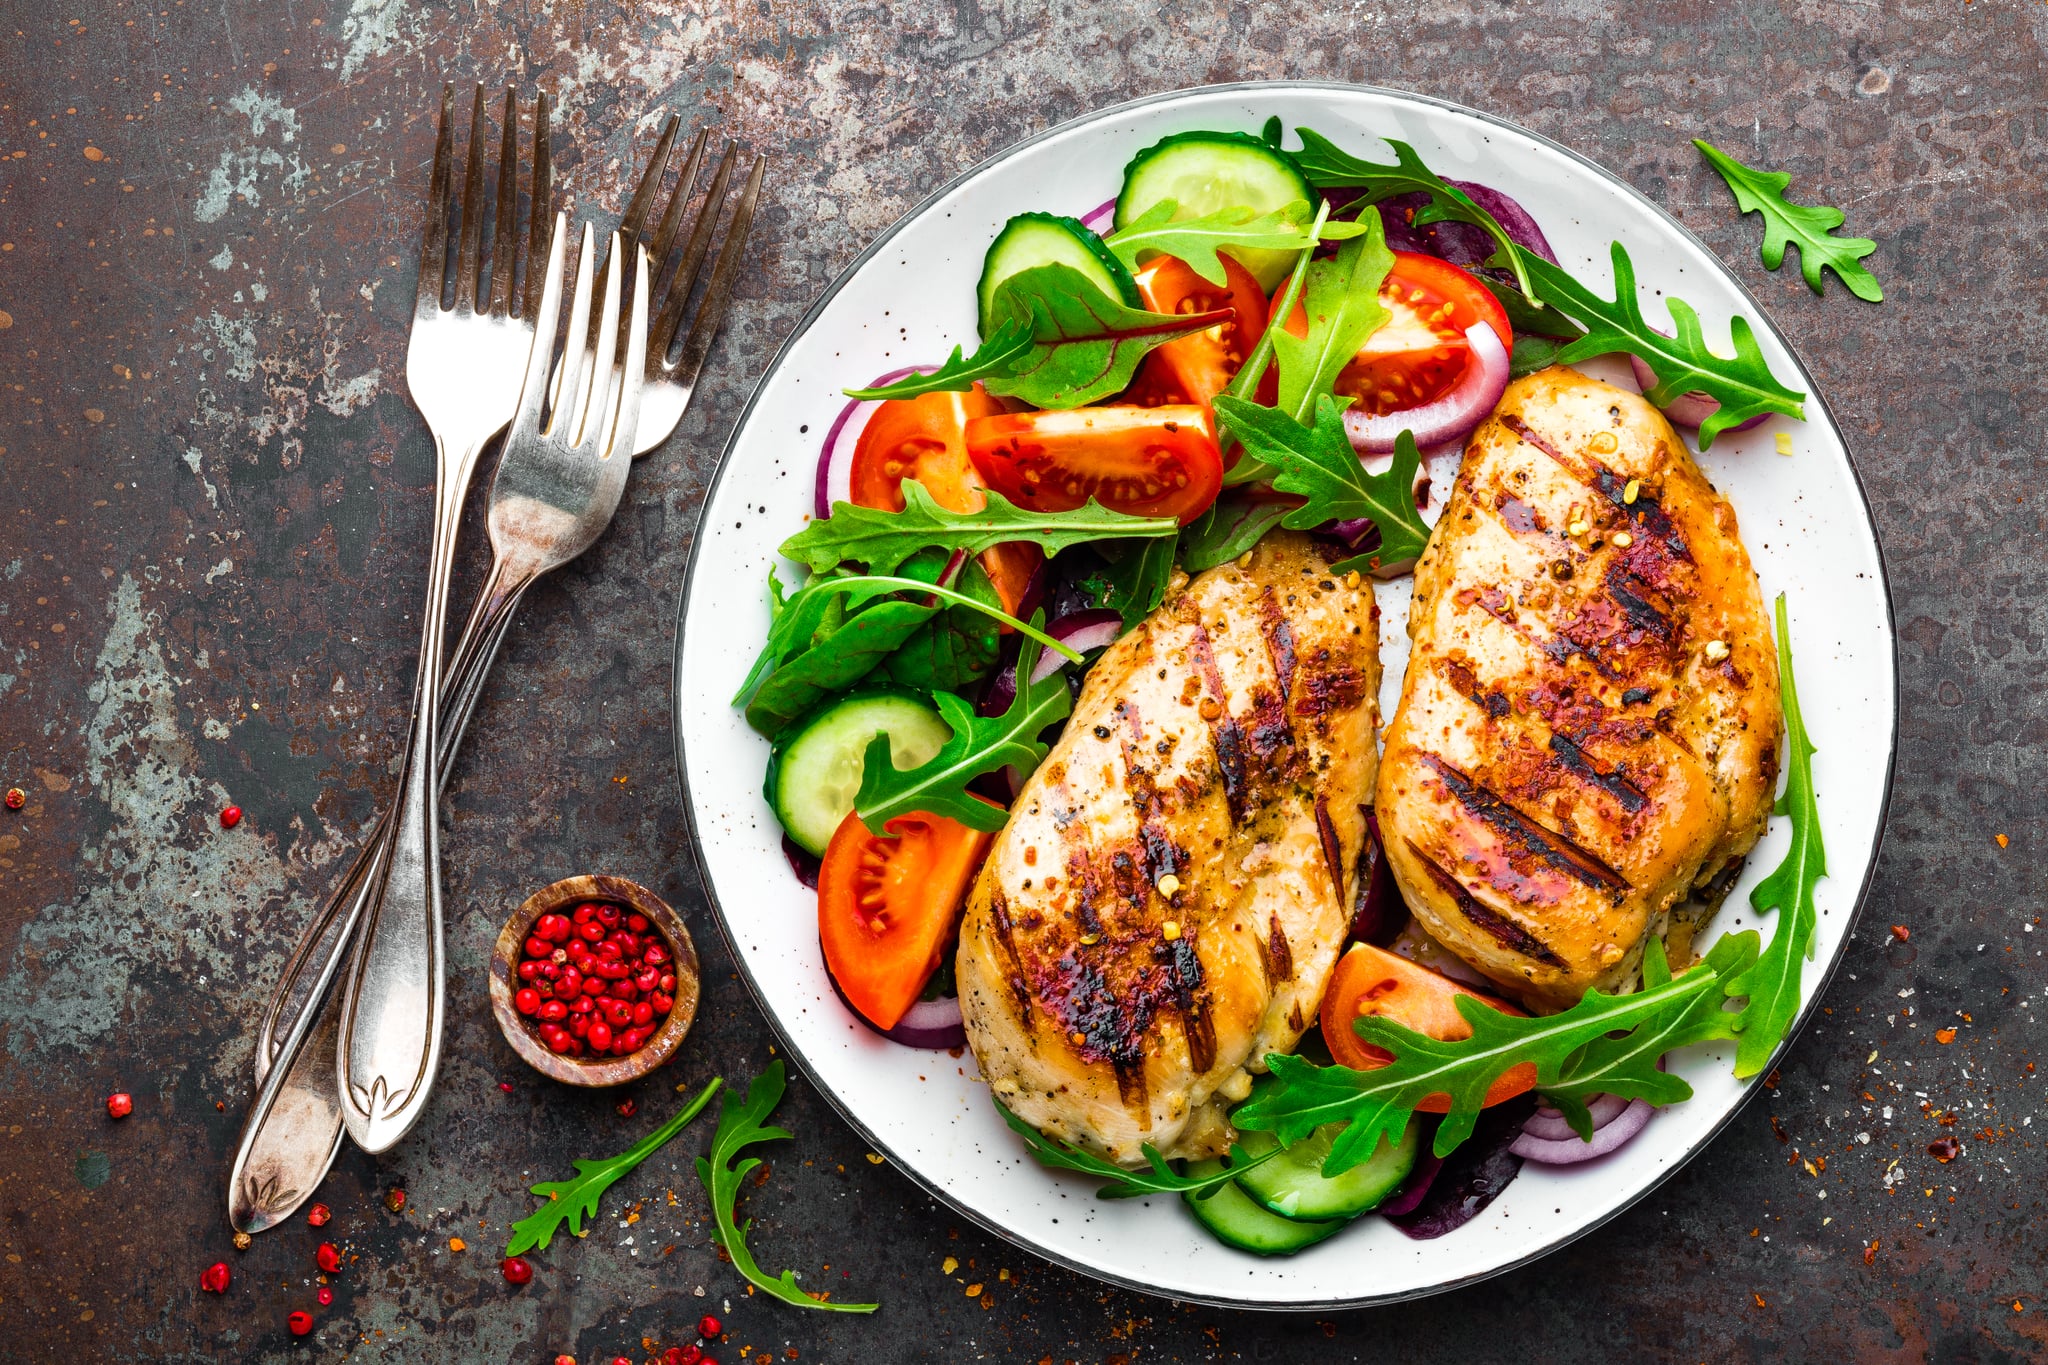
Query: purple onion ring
[1567,1151]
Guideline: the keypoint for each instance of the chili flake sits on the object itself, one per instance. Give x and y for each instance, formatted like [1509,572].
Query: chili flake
[1944,1035]
[1901,932]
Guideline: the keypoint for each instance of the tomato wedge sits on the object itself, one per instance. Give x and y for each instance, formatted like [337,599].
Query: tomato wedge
[1197,367]
[923,438]
[1373,981]
[1420,354]
[887,904]
[1149,462]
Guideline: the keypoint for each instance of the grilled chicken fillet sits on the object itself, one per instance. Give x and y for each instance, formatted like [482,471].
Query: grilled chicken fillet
[1169,896]
[1589,723]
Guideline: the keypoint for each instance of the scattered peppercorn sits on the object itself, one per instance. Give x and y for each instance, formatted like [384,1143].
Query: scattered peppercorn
[215,1278]
[16,798]
[243,1241]
[326,1296]
[1944,1149]
[505,1086]
[300,1322]
[394,1199]
[328,1257]
[318,1215]
[621,1360]
[120,1105]
[709,1327]
[682,1355]
[229,818]
[629,1108]
[516,1269]
[565,1360]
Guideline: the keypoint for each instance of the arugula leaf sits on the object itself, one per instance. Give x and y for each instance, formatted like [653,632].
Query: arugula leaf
[1744,385]
[1329,167]
[1233,524]
[572,1201]
[883,540]
[1085,345]
[1137,577]
[993,357]
[740,1125]
[1808,227]
[978,745]
[1342,300]
[1196,240]
[1317,463]
[1160,1178]
[1525,315]
[956,647]
[1246,382]
[1378,1104]
[1772,984]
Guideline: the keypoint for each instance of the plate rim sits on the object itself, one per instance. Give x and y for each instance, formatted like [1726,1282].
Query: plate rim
[1760,316]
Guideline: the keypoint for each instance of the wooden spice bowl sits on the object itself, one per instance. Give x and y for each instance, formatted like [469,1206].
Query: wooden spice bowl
[563,897]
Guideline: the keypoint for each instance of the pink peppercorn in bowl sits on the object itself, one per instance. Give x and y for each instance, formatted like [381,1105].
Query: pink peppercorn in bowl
[639,991]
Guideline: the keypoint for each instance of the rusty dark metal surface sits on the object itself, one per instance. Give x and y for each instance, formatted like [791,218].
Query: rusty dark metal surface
[214,534]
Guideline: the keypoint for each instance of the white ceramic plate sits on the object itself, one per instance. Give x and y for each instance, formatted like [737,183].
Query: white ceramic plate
[909,299]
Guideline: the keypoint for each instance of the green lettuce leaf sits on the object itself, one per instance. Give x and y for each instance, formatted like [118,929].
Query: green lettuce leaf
[1084,344]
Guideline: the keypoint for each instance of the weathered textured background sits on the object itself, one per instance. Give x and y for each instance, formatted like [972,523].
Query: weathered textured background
[211,544]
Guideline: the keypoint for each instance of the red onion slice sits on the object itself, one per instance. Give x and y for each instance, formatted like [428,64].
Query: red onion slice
[1567,1151]
[1551,1123]
[1080,632]
[1448,418]
[835,458]
[1688,409]
[936,1025]
[1100,217]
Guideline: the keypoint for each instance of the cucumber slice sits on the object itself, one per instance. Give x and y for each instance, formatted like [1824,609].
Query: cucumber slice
[815,770]
[1235,1220]
[1206,172]
[1293,1185]
[1032,239]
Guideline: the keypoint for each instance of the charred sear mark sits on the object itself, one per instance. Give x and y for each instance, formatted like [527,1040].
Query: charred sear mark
[1269,731]
[1181,971]
[1224,731]
[1098,1024]
[1516,515]
[1646,513]
[1328,685]
[1159,854]
[1525,836]
[1509,934]
[1629,796]
[1493,701]
[1128,877]
[1279,638]
[1628,593]
[1528,436]
[999,916]
[1278,953]
[1333,847]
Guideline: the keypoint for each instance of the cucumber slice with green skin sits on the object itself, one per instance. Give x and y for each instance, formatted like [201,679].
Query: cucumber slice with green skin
[1231,1216]
[1032,239]
[815,770]
[1292,1184]
[1206,172]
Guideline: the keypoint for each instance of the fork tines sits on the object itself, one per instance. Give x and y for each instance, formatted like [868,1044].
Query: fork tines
[496,280]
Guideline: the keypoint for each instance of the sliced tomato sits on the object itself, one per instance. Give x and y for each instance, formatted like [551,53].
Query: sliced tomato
[923,438]
[1197,367]
[1149,462]
[1372,981]
[1421,353]
[887,904]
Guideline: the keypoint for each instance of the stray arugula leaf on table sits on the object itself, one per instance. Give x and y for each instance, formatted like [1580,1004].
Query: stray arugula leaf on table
[1085,345]
[979,744]
[1771,985]
[1604,1044]
[572,1201]
[1742,384]
[1234,523]
[883,540]
[1317,462]
[992,358]
[741,1125]
[1196,240]
[1330,167]
[1808,227]
[1341,298]
[1159,1178]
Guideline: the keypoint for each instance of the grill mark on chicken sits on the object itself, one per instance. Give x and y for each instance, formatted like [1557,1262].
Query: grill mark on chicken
[1516,515]
[1327,687]
[1573,758]
[1528,436]
[1224,731]
[1333,847]
[1279,638]
[1525,835]
[1642,613]
[999,915]
[1511,935]
[1493,701]
[1277,952]
[1646,512]
[1182,970]
[1156,847]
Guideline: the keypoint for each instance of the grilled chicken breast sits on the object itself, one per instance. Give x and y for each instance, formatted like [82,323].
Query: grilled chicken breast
[1169,896]
[1589,722]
